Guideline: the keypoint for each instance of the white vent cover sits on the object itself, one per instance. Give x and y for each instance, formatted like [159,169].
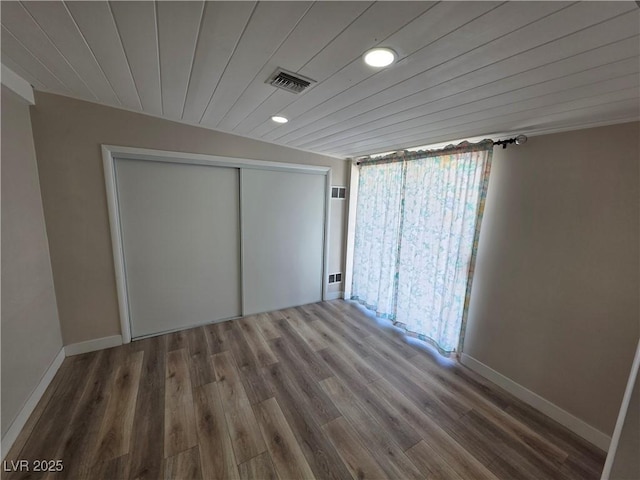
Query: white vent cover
[291,82]
[339,192]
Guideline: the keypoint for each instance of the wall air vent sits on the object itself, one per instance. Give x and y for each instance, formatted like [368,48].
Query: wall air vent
[291,82]
[339,192]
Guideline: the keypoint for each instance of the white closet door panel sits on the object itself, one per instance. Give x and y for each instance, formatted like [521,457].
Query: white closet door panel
[180,236]
[283,236]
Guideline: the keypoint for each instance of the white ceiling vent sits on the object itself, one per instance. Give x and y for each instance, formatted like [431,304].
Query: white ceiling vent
[291,82]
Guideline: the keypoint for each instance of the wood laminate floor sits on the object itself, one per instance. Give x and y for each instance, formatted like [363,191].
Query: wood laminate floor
[319,391]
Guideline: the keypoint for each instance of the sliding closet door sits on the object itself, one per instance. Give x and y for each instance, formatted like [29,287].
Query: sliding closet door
[180,237]
[283,236]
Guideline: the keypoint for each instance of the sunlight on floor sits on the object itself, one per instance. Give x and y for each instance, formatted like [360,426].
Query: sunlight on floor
[416,342]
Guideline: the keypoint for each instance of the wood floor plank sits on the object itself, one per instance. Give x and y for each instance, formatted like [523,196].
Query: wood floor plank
[183,466]
[360,326]
[330,326]
[300,350]
[583,456]
[465,464]
[288,459]
[484,449]
[424,398]
[290,346]
[259,468]
[515,451]
[231,389]
[395,464]
[154,363]
[318,450]
[202,371]
[300,323]
[518,432]
[432,465]
[382,328]
[216,340]
[265,324]
[399,429]
[362,367]
[345,368]
[217,458]
[256,388]
[245,434]
[77,448]
[505,470]
[481,385]
[521,444]
[179,421]
[197,341]
[577,468]
[444,401]
[114,468]
[312,322]
[116,430]
[450,374]
[256,341]
[358,460]
[523,467]
[117,468]
[492,449]
[145,459]
[458,383]
[357,327]
[201,368]
[177,340]
[300,380]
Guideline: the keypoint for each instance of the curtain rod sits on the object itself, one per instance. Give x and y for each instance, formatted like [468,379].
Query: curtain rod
[519,140]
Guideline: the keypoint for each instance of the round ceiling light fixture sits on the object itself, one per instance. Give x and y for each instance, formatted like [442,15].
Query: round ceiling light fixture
[279,119]
[379,57]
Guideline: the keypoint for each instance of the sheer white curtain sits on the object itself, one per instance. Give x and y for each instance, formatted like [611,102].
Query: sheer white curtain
[375,255]
[418,217]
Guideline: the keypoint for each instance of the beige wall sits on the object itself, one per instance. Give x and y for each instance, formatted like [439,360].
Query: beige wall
[554,305]
[68,136]
[30,329]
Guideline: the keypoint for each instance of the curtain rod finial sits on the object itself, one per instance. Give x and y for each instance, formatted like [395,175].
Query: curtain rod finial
[519,140]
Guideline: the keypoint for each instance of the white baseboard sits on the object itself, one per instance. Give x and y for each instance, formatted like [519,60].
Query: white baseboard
[334,295]
[20,421]
[573,423]
[93,345]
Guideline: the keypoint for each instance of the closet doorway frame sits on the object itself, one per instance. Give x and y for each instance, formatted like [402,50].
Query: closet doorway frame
[112,152]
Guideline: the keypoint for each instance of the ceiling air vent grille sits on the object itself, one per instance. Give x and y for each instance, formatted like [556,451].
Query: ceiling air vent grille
[288,81]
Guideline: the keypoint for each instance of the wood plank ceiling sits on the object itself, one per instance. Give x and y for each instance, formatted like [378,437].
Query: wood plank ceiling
[465,69]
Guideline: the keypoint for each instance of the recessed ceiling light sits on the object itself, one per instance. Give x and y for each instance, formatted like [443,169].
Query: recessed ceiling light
[279,119]
[379,57]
